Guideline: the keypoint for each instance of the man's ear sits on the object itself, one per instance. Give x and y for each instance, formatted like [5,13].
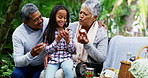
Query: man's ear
[25,22]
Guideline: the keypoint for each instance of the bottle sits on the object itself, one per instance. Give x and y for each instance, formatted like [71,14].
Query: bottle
[146,54]
[128,56]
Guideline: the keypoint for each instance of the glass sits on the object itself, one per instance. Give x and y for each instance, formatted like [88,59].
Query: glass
[89,72]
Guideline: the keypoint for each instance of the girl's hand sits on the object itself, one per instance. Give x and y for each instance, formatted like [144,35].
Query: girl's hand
[66,35]
[59,37]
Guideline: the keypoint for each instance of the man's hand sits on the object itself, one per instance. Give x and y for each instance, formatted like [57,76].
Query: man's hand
[102,24]
[46,58]
[36,50]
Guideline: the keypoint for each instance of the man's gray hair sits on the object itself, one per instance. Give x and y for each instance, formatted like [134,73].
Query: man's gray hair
[93,6]
[27,10]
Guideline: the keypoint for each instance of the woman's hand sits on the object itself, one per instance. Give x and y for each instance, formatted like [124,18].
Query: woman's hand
[46,58]
[82,38]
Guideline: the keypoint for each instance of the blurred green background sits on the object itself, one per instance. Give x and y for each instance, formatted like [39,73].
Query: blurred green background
[122,17]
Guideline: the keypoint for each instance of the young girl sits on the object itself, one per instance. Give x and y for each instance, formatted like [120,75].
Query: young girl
[59,43]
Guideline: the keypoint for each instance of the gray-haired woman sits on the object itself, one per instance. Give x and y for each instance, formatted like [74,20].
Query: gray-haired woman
[92,45]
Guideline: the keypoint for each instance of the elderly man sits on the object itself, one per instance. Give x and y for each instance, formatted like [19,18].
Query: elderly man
[27,43]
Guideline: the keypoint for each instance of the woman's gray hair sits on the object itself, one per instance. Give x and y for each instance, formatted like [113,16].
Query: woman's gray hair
[93,6]
[27,10]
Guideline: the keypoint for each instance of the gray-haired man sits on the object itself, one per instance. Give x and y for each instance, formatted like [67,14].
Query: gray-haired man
[28,49]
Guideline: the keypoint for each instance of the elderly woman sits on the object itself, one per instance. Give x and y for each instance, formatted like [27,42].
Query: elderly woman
[91,44]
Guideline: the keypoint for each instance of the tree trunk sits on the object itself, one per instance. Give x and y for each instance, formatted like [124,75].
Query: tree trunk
[130,18]
[7,21]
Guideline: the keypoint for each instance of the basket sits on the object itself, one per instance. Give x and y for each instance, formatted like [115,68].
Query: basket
[125,65]
[123,72]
